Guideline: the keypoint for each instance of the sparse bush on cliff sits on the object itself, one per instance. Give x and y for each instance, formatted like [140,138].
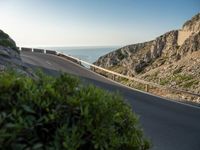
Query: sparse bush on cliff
[120,55]
[61,113]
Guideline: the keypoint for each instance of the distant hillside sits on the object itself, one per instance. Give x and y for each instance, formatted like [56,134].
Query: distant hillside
[172,59]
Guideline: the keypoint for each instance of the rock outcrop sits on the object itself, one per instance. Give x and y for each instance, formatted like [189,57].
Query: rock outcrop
[10,56]
[192,25]
[159,58]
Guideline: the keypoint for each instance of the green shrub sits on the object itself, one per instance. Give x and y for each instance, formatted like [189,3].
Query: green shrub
[120,55]
[181,78]
[3,35]
[61,113]
[190,83]
[164,81]
[6,41]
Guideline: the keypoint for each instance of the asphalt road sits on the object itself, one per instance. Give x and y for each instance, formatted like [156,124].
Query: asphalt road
[169,125]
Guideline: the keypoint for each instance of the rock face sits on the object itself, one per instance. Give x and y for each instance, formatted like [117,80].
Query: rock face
[161,56]
[135,58]
[10,56]
[192,25]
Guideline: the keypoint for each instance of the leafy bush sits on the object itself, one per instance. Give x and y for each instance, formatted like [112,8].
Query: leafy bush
[6,41]
[61,113]
[3,35]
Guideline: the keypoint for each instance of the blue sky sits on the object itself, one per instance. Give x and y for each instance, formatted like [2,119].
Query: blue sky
[92,22]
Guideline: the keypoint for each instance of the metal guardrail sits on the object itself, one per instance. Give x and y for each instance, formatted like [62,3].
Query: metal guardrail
[26,49]
[136,79]
[51,52]
[38,50]
[147,83]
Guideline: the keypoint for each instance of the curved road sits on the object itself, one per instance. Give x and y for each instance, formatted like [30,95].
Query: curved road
[169,125]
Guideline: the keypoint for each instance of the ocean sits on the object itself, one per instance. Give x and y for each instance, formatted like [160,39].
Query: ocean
[89,53]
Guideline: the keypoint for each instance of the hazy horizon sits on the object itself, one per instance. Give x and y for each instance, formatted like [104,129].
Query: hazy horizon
[75,23]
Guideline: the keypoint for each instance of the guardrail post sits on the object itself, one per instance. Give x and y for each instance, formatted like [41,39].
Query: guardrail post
[113,77]
[147,88]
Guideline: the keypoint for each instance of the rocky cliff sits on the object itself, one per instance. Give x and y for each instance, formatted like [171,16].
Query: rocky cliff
[171,59]
[10,56]
[192,25]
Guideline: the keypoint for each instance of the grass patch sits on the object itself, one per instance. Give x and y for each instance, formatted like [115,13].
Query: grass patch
[179,78]
[164,81]
[190,83]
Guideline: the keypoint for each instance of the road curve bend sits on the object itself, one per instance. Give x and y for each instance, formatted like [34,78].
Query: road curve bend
[169,125]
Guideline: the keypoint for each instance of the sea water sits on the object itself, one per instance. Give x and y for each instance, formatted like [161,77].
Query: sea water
[89,53]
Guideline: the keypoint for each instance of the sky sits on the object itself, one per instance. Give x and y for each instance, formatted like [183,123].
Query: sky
[92,22]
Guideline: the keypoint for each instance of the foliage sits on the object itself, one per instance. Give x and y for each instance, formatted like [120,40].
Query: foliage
[61,113]
[190,83]
[3,35]
[164,81]
[177,71]
[120,55]
[182,80]
[182,77]
[6,42]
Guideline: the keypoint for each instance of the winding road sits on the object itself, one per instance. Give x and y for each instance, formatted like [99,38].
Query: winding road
[169,125]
